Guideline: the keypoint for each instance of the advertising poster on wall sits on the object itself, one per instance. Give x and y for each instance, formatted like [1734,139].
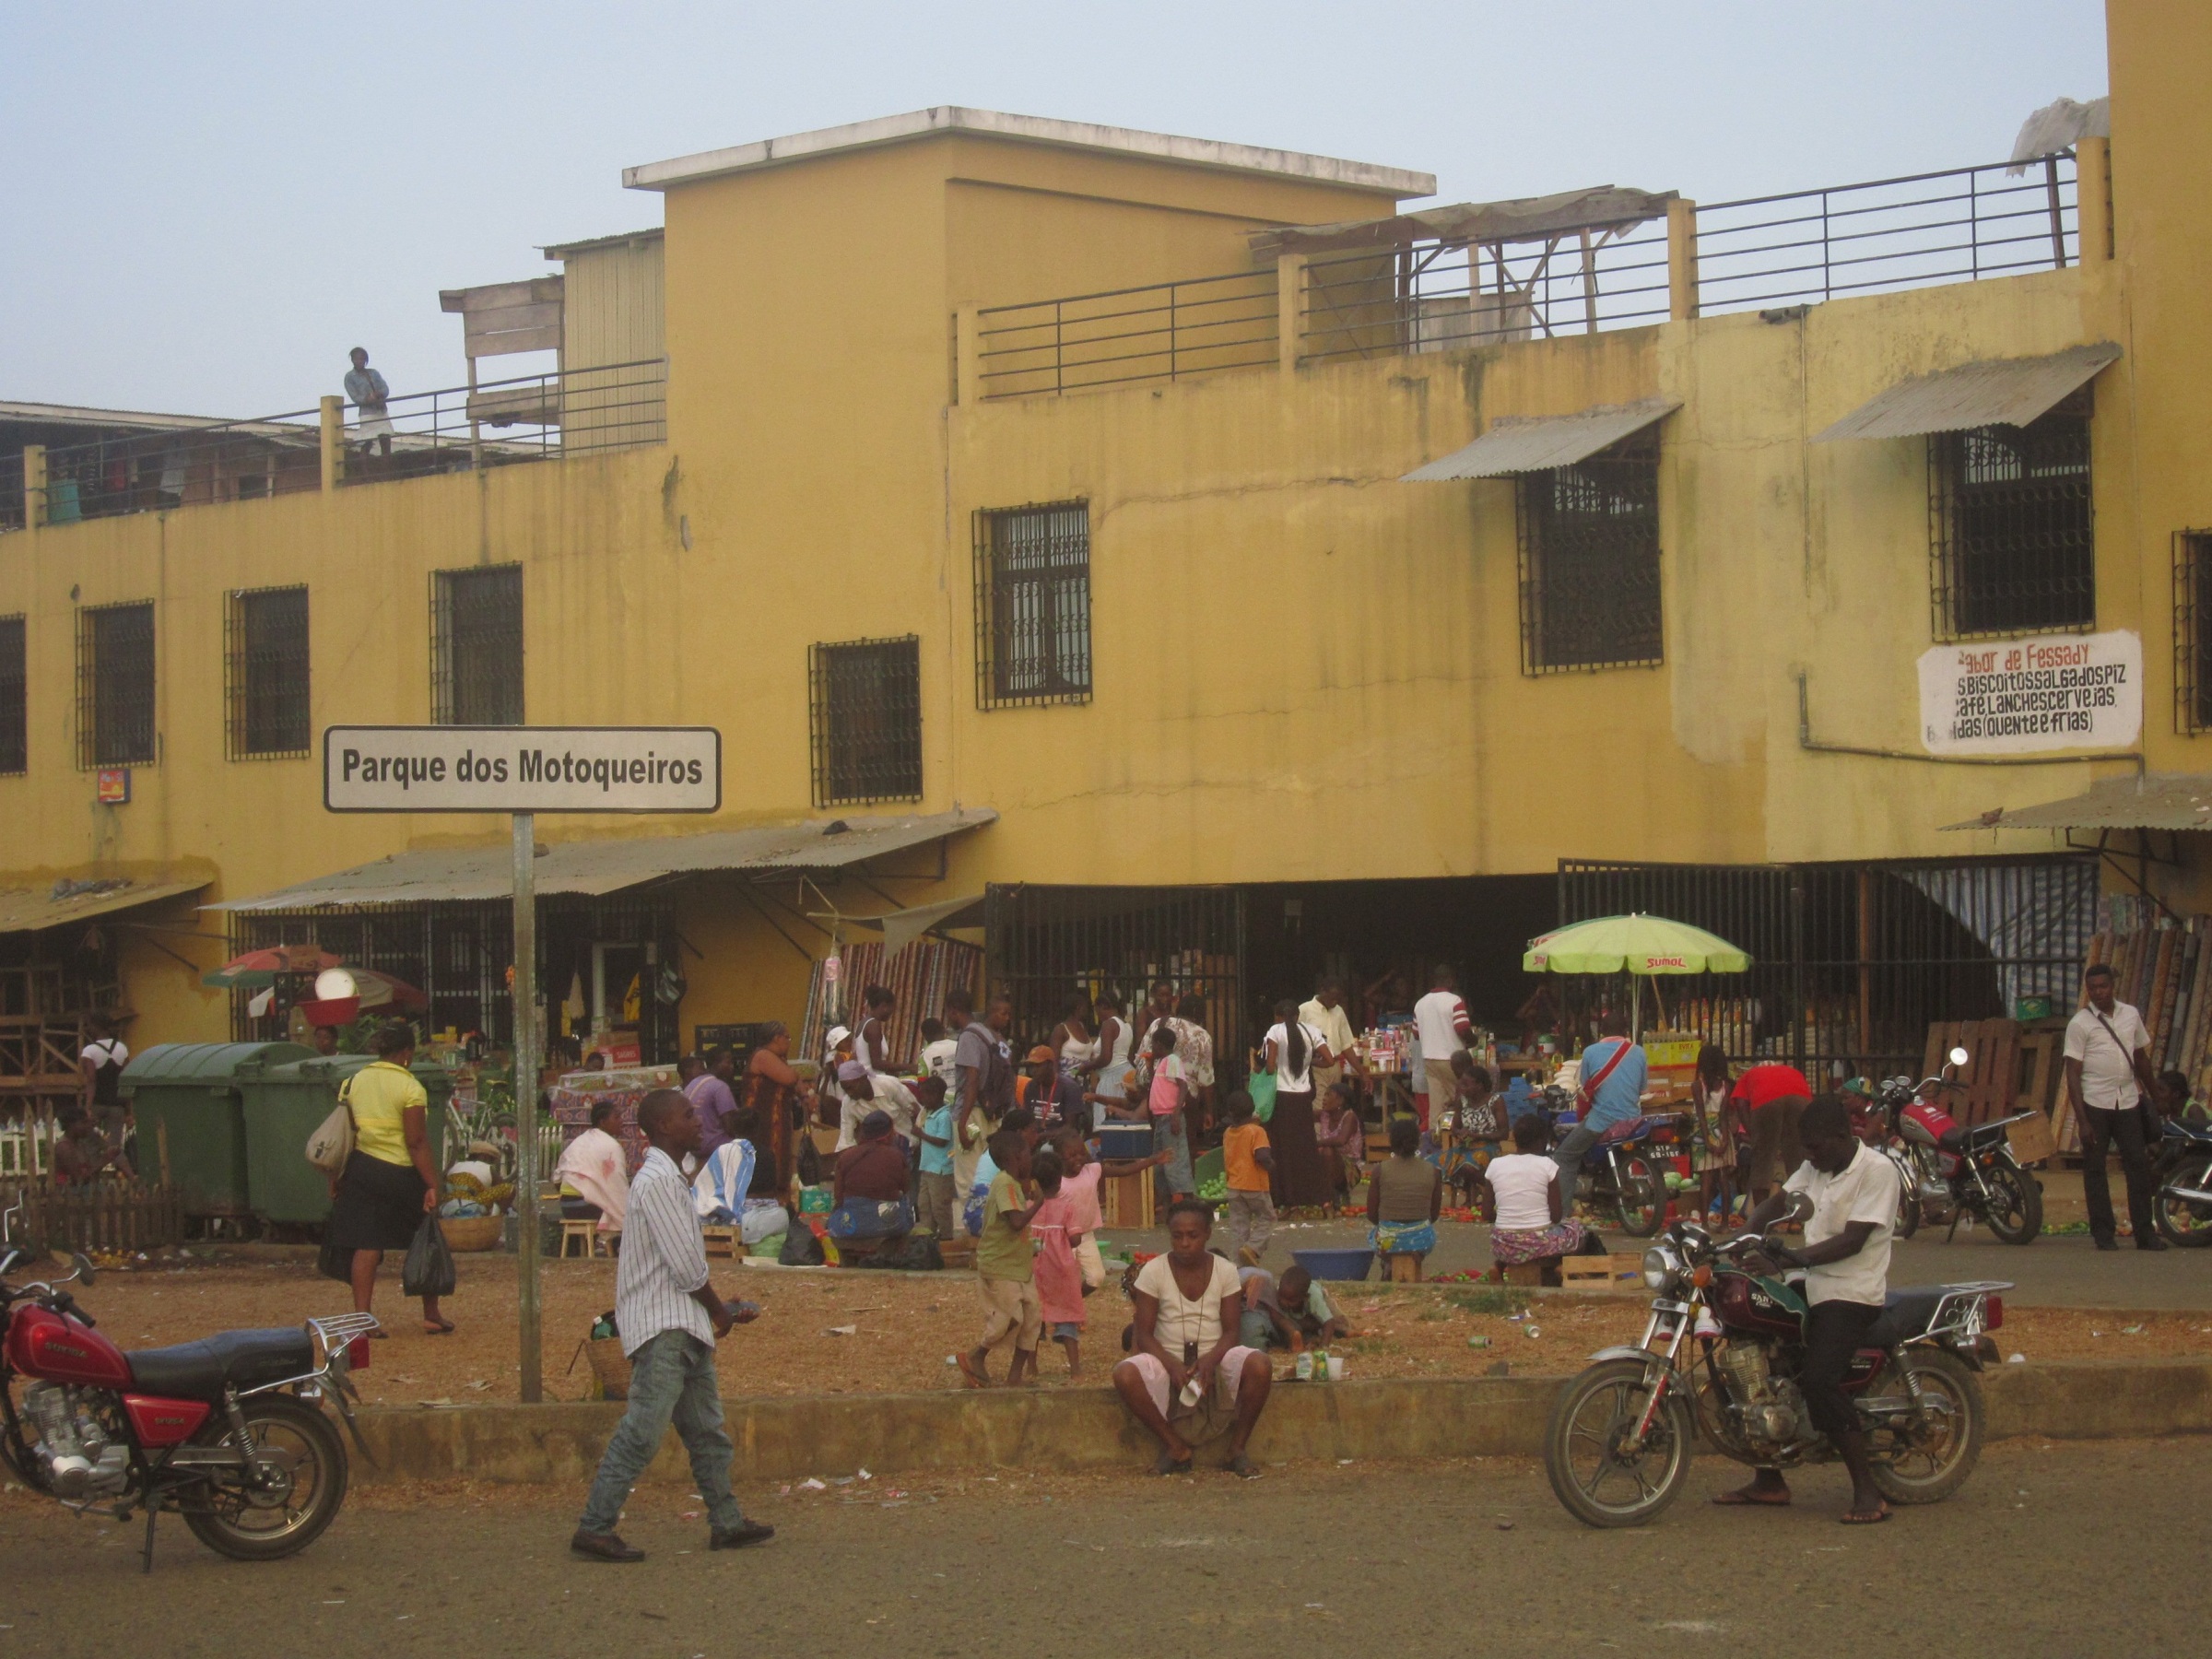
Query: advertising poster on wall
[2045,694]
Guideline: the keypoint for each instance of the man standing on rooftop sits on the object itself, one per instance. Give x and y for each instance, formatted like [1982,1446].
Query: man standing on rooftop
[364,389]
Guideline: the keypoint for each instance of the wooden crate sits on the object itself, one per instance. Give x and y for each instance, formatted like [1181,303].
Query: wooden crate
[1128,1200]
[1991,1073]
[2032,1139]
[1603,1273]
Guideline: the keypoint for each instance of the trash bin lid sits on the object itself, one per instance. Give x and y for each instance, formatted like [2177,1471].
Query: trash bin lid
[204,1064]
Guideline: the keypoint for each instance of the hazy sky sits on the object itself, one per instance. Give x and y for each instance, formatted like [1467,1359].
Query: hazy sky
[207,204]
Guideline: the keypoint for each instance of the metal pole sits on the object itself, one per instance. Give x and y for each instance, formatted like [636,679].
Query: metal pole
[526,1098]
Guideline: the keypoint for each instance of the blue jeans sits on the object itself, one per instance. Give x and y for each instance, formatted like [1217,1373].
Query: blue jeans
[1567,1155]
[671,1381]
[1175,1175]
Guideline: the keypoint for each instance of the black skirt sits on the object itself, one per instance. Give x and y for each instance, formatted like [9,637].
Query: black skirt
[379,1205]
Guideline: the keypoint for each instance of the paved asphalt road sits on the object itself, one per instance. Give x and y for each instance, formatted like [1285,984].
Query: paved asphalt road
[2066,1271]
[2077,1550]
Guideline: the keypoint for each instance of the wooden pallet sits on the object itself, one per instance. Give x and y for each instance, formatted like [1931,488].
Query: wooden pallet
[1991,1073]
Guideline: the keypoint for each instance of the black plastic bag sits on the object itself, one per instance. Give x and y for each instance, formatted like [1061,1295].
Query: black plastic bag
[429,1269]
[810,1163]
[333,1263]
[915,1255]
[801,1248]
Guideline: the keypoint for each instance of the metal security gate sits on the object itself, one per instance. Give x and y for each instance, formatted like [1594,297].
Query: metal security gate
[1850,963]
[1044,945]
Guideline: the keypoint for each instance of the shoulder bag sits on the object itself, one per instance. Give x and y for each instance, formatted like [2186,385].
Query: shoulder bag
[332,1143]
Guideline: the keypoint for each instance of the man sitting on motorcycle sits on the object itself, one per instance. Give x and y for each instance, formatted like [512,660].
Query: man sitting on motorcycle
[1852,1191]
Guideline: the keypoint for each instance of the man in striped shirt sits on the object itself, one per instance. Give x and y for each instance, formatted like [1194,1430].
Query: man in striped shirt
[668,1317]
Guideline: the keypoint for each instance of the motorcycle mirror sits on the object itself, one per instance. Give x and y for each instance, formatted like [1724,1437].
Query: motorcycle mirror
[83,1263]
[1800,1207]
[1958,1056]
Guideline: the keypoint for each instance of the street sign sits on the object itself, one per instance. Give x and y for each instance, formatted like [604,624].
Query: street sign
[521,768]
[523,771]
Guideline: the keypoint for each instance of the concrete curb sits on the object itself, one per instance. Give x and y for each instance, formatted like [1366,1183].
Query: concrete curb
[1068,1429]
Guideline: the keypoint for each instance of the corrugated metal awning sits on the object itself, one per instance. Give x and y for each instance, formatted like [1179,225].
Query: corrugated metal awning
[2001,392]
[1524,446]
[608,867]
[23,911]
[1523,218]
[2155,801]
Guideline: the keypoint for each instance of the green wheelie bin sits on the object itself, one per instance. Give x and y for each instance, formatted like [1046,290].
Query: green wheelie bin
[188,1099]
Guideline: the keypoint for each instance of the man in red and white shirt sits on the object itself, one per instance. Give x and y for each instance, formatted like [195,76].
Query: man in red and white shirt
[1441,1018]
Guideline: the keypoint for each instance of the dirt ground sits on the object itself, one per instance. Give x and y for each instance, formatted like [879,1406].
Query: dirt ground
[832,1331]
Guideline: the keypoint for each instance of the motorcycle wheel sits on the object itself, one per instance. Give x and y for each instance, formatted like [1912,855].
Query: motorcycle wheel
[1598,1483]
[1908,1214]
[2179,1221]
[250,1526]
[1911,1468]
[1642,1201]
[2016,1208]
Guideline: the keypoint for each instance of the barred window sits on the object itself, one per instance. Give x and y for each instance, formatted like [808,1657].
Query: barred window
[867,720]
[115,685]
[477,647]
[1032,605]
[2010,515]
[265,674]
[1590,561]
[14,711]
[2193,630]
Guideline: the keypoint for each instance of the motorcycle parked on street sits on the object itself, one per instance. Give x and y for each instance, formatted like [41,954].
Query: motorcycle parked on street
[1950,1172]
[1720,1358]
[1618,1173]
[228,1431]
[2183,1173]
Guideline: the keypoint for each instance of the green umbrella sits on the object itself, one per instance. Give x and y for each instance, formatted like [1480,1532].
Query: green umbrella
[1638,944]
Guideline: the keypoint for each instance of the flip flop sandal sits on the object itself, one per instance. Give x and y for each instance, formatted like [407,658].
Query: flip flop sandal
[1168,1465]
[974,1378]
[1736,1498]
[1861,1518]
[1243,1467]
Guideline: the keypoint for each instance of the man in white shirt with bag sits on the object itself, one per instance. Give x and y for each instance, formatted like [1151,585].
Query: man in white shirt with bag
[2108,1084]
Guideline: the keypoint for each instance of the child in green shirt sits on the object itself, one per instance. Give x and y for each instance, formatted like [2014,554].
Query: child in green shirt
[1005,1273]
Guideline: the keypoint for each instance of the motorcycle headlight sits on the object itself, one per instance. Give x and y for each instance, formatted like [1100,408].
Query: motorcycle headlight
[1662,1268]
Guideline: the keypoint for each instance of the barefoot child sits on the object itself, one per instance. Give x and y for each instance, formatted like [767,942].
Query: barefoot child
[1006,1273]
[1059,1275]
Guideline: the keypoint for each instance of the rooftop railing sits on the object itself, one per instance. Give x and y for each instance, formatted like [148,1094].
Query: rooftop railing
[1439,295]
[498,423]
[1914,231]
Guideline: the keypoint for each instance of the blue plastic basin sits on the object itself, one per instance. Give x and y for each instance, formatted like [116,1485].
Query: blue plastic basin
[1340,1264]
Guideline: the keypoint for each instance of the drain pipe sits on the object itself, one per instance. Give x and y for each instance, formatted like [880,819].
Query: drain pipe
[1808,742]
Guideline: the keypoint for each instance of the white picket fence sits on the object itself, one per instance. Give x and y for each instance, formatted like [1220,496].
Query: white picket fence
[26,1147]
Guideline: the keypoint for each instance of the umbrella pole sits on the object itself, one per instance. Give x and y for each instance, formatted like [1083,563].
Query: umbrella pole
[1635,1008]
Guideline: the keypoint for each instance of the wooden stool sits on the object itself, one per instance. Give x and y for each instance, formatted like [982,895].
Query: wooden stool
[721,1242]
[583,1232]
[1405,1268]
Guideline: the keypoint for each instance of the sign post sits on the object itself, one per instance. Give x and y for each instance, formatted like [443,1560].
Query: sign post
[523,771]
[525,1101]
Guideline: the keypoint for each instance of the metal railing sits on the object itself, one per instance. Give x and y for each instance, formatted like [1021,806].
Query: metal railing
[497,423]
[181,466]
[1914,231]
[531,418]
[1162,331]
[1438,296]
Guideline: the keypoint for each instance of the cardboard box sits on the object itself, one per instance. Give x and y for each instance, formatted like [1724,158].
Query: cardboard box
[2031,1138]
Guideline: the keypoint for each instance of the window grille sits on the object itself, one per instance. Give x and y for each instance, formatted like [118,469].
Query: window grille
[2193,630]
[15,712]
[1032,605]
[115,685]
[867,720]
[2009,514]
[266,659]
[1590,561]
[477,647]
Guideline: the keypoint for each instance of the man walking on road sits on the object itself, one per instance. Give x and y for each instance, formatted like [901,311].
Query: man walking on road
[668,1317]
[2108,1077]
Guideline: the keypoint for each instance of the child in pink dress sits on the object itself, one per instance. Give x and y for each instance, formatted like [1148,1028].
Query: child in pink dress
[1059,1275]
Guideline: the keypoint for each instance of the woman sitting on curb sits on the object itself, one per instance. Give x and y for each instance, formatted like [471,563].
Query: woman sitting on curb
[1189,1369]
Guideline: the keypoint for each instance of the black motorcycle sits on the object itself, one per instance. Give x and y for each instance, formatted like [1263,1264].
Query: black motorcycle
[2183,1172]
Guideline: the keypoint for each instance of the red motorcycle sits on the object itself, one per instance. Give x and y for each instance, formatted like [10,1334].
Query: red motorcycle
[1720,1358]
[228,1431]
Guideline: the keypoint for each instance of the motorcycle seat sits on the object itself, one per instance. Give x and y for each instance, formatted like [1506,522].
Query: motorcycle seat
[1629,1130]
[200,1370]
[1905,1313]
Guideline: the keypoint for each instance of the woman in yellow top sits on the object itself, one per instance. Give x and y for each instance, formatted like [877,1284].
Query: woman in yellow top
[389,1183]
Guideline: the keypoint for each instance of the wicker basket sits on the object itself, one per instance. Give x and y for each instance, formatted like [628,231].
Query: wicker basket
[473,1232]
[610,1365]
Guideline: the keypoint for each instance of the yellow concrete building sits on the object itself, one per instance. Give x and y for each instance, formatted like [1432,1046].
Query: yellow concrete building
[1032,502]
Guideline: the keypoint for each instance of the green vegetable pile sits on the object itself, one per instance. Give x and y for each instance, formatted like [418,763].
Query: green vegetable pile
[1216,1189]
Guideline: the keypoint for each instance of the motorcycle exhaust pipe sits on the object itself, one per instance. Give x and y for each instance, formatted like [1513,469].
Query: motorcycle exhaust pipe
[2186,1195]
[206,1457]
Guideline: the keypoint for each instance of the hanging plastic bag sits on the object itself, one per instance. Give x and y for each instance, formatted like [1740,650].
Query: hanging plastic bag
[429,1267]
[333,1263]
[1260,1085]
